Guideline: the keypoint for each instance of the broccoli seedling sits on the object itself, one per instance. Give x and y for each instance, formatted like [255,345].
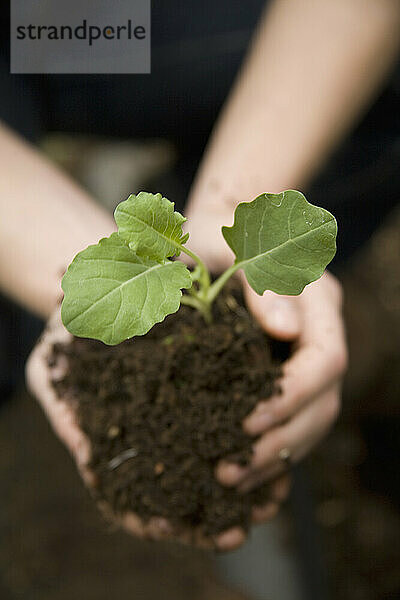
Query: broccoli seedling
[125,284]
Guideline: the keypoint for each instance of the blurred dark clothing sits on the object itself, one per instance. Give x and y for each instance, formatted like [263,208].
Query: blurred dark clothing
[197,48]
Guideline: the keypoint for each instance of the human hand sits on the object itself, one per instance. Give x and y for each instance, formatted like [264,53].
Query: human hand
[291,423]
[64,422]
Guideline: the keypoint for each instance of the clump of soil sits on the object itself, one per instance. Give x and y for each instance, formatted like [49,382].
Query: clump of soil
[161,410]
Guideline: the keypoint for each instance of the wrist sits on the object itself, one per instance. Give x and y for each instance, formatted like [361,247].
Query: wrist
[219,195]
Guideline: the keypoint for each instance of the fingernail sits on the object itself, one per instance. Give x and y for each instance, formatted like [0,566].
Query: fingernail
[261,514]
[259,422]
[163,525]
[231,539]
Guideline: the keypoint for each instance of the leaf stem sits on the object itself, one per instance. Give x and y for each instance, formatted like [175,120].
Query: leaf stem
[204,278]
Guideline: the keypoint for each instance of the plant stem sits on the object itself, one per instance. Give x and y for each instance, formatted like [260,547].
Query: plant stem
[200,305]
[203,298]
[219,283]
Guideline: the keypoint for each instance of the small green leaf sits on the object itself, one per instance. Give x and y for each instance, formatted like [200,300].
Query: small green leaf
[150,226]
[281,241]
[111,294]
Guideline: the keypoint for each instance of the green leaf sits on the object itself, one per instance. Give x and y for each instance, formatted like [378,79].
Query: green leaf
[111,294]
[150,226]
[281,241]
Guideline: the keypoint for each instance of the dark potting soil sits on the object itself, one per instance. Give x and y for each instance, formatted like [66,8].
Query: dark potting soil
[161,410]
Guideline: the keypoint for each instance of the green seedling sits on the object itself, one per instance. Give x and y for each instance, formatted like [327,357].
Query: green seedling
[128,282]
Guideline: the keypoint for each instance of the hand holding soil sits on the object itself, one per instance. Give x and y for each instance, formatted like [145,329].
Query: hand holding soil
[64,422]
[301,415]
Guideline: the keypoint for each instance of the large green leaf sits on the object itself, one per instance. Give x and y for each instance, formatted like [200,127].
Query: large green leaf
[281,241]
[111,294]
[150,225]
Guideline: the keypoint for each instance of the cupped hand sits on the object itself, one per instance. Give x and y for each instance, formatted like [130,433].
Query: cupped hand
[292,422]
[64,422]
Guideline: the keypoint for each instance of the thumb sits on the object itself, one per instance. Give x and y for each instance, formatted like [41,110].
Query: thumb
[278,315]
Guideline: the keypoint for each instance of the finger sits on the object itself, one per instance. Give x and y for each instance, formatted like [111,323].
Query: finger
[276,471]
[258,477]
[230,539]
[158,528]
[279,493]
[320,360]
[58,412]
[263,514]
[133,524]
[280,488]
[299,435]
[277,315]
[61,416]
